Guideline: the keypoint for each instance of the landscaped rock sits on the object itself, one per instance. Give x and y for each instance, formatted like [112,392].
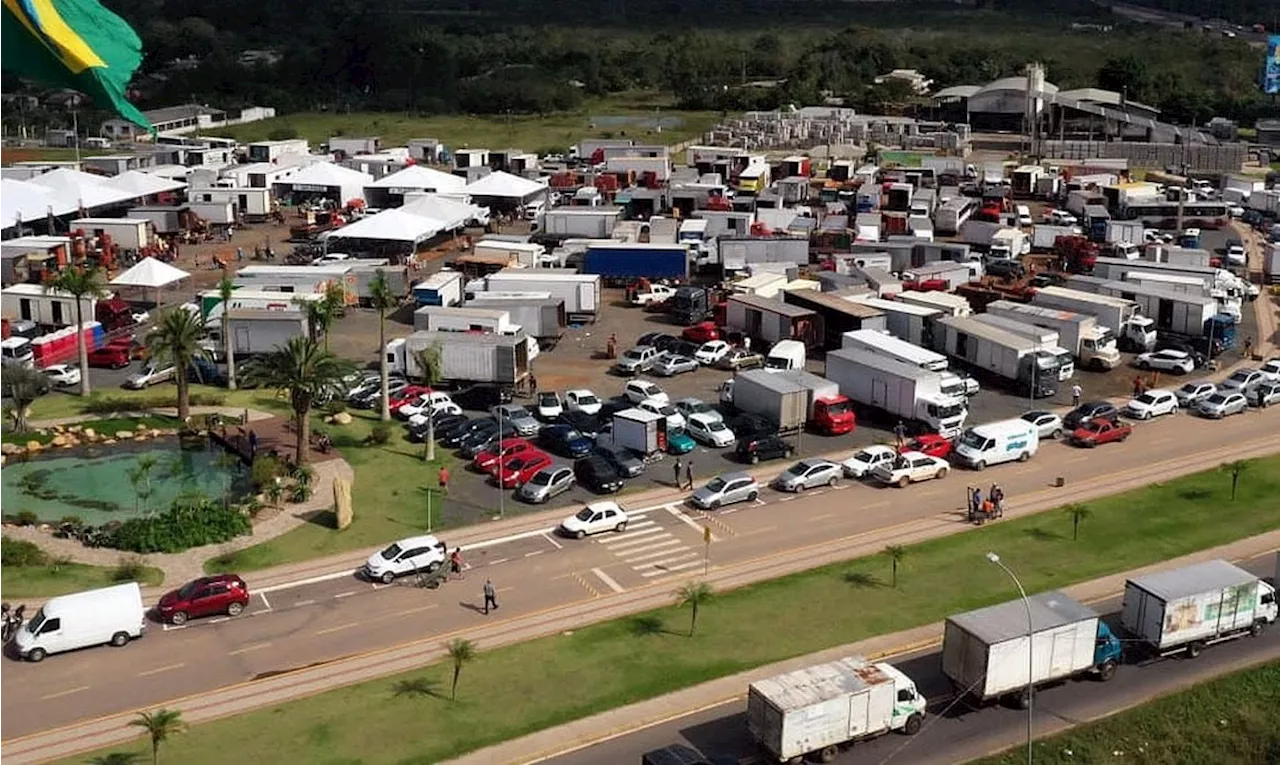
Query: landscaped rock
[108,442]
[156,433]
[75,428]
[34,446]
[90,434]
[59,440]
[341,418]
[124,434]
[8,448]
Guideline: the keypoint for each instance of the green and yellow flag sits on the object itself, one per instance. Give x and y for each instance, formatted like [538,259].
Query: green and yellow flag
[75,44]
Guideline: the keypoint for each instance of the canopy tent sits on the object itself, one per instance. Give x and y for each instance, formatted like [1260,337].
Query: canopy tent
[151,274]
[391,225]
[143,184]
[327,177]
[502,185]
[23,202]
[419,178]
[452,213]
[82,189]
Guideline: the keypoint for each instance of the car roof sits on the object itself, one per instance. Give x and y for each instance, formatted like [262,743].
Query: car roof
[915,455]
[1038,413]
[734,476]
[580,392]
[877,449]
[603,505]
[425,539]
[707,417]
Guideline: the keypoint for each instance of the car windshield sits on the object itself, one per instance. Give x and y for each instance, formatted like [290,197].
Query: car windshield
[632,355]
[541,479]
[585,514]
[1217,398]
[714,425]
[391,552]
[1190,388]
[973,440]
[800,468]
[1146,398]
[549,399]
[1240,376]
[587,400]
[864,456]
[716,484]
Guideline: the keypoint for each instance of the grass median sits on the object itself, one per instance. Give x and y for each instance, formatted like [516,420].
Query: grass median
[1232,720]
[29,572]
[511,691]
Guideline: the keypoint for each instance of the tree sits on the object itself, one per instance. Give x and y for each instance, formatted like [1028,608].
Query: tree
[159,725]
[22,385]
[1127,75]
[383,300]
[304,370]
[116,758]
[225,287]
[895,554]
[322,313]
[693,595]
[177,339]
[1078,513]
[460,651]
[80,283]
[1235,469]
[430,370]
[140,478]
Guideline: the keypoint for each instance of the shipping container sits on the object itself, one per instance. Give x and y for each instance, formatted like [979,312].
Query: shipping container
[465,357]
[580,292]
[625,261]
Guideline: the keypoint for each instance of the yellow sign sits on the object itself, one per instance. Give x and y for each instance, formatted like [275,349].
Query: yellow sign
[706,534]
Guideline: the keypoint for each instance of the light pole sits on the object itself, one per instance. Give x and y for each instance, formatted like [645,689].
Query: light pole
[502,493]
[1031,631]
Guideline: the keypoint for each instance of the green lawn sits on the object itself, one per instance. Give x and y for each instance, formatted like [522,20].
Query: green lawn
[107,425]
[528,132]
[17,582]
[1233,720]
[511,691]
[63,405]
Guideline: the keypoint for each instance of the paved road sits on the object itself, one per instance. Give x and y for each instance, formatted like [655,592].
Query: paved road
[543,580]
[957,732]
[1159,17]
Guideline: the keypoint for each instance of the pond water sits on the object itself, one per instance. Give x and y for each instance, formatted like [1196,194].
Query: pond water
[115,483]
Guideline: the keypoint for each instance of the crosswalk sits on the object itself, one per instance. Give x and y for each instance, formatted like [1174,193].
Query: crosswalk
[650,549]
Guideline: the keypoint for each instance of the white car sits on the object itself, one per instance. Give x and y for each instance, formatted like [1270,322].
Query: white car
[595,518]
[549,405]
[424,553]
[861,464]
[1060,218]
[710,430]
[1271,370]
[62,375]
[664,408]
[1235,253]
[909,468]
[582,400]
[429,403]
[1168,360]
[644,390]
[1048,424]
[1153,403]
[711,351]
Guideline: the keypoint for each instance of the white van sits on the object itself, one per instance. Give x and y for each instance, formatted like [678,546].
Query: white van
[785,355]
[996,442]
[108,616]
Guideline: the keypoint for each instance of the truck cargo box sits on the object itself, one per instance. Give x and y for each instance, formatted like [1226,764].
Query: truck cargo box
[1197,603]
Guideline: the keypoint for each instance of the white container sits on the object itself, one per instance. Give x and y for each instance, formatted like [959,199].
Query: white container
[900,389]
[107,616]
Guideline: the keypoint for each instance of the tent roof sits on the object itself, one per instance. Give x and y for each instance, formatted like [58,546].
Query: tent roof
[81,189]
[329,174]
[150,272]
[449,211]
[419,177]
[30,202]
[142,184]
[392,225]
[502,184]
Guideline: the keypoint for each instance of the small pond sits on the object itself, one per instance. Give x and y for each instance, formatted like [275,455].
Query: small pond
[98,483]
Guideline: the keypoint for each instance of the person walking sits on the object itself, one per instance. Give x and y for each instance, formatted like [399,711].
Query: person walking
[975,501]
[746,342]
[675,472]
[490,596]
[900,433]
[444,480]
[688,473]
[455,562]
[1076,394]
[253,445]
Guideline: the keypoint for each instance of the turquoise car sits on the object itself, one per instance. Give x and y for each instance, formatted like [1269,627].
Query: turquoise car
[679,442]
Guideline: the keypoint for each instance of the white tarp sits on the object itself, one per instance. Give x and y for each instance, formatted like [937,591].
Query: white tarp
[142,184]
[419,178]
[505,186]
[73,189]
[29,201]
[150,273]
[392,225]
[451,212]
[326,175]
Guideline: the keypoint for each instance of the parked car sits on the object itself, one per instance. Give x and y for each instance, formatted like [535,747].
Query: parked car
[863,461]
[671,365]
[595,518]
[1169,360]
[739,358]
[549,405]
[711,352]
[1100,431]
[702,332]
[62,375]
[405,396]
[111,356]
[152,373]
[419,427]
[524,423]
[368,396]
[1264,395]
[598,474]
[1005,269]
[474,443]
[622,458]
[679,441]
[487,459]
[433,401]
[582,400]
[1048,424]
[691,406]
[808,474]
[762,448]
[1153,403]
[421,553]
[454,436]
[1193,393]
[1271,370]
[1167,343]
[659,340]
[515,469]
[586,424]
[747,426]
[710,430]
[564,440]
[1242,380]
[660,407]
[643,390]
[726,489]
[931,444]
[545,484]
[909,468]
[637,360]
[1090,410]
[206,596]
[656,293]
[1221,404]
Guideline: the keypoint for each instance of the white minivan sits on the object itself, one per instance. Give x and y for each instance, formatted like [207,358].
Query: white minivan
[996,442]
[107,616]
[785,355]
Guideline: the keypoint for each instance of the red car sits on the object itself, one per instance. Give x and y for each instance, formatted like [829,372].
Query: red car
[931,444]
[407,395]
[206,596]
[487,459]
[519,468]
[112,356]
[1100,431]
[702,332]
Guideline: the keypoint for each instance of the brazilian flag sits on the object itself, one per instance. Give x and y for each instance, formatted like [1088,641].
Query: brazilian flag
[76,44]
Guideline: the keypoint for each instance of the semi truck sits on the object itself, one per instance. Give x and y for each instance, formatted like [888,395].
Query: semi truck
[1190,608]
[988,654]
[1132,330]
[1012,358]
[1213,278]
[1045,339]
[690,304]
[794,399]
[822,709]
[901,390]
[1094,346]
[1178,313]
[620,261]
[1008,244]
[885,344]
[465,357]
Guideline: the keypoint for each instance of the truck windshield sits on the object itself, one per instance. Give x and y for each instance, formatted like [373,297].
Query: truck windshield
[946,411]
[975,441]
[839,408]
[777,362]
[36,622]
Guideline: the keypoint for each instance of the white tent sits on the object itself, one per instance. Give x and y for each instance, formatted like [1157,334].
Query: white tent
[142,184]
[326,175]
[82,189]
[451,212]
[419,178]
[392,225]
[505,186]
[151,274]
[23,201]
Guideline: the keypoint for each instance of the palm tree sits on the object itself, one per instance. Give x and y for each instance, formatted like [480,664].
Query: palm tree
[160,725]
[22,385]
[305,371]
[460,651]
[383,300]
[140,478]
[1235,468]
[225,287]
[80,283]
[693,595]
[116,758]
[895,554]
[429,369]
[177,338]
[1078,513]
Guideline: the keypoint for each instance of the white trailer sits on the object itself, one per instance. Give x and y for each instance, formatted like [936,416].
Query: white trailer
[818,710]
[778,397]
[947,303]
[988,653]
[527,254]
[1121,316]
[900,389]
[980,233]
[885,344]
[540,317]
[589,222]
[465,357]
[218,213]
[1172,282]
[299,279]
[50,308]
[1271,264]
[441,288]
[1094,347]
[453,319]
[251,202]
[1177,312]
[1045,339]
[255,331]
[1013,358]
[126,233]
[1195,606]
[580,292]
[905,321]
[1125,232]
[954,274]
[212,305]
[1044,236]
[1178,256]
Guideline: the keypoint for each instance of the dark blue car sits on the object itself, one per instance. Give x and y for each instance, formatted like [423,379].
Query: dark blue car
[565,441]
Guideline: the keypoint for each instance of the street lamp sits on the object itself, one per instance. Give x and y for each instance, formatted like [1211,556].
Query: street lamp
[1031,631]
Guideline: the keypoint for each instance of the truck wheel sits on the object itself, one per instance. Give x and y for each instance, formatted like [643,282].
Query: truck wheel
[1194,649]
[120,639]
[1107,671]
[1257,628]
[1022,700]
[904,482]
[980,465]
[35,655]
[1024,456]
[828,753]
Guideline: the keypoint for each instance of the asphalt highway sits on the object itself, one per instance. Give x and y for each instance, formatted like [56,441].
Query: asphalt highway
[957,732]
[540,577]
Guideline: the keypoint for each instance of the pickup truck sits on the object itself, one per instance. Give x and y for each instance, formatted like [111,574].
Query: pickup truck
[1100,431]
[653,293]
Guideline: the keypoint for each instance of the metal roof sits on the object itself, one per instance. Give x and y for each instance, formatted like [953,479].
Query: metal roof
[770,305]
[1007,621]
[1014,83]
[1193,580]
[957,91]
[833,302]
[971,326]
[774,381]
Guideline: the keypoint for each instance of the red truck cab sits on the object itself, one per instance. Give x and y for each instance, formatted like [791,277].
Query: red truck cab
[833,416]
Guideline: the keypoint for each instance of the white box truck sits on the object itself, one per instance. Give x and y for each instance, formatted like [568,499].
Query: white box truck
[640,431]
[902,390]
[1189,608]
[1125,232]
[580,292]
[465,357]
[1271,264]
[949,304]
[1045,339]
[875,341]
[819,710]
[106,616]
[1094,346]
[1012,358]
[992,652]
[1043,236]
[1132,330]
[905,321]
[1177,312]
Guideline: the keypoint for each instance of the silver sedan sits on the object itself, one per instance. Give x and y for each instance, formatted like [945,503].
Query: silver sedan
[808,474]
[725,490]
[672,365]
[1220,405]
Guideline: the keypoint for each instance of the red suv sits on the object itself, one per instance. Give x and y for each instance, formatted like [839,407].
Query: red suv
[206,596]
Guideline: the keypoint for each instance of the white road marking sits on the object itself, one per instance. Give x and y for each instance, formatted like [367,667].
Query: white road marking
[626,537]
[302,603]
[304,582]
[509,538]
[347,594]
[248,648]
[648,551]
[67,692]
[219,620]
[789,499]
[338,628]
[671,569]
[841,486]
[608,580]
[266,602]
[498,561]
[172,627]
[822,516]
[672,559]
[535,552]
[675,510]
[158,670]
[552,540]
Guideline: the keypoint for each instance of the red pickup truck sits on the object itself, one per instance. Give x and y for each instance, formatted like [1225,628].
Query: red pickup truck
[112,356]
[1101,431]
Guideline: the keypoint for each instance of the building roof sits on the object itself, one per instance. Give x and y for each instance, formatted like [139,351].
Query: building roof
[1192,580]
[957,91]
[451,212]
[391,225]
[329,174]
[1008,621]
[142,184]
[1100,96]
[419,177]
[770,305]
[183,112]
[1012,83]
[505,185]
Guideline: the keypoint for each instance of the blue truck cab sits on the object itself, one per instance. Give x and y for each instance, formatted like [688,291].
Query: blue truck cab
[1106,651]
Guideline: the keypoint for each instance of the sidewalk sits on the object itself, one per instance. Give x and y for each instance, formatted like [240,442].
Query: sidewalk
[582,733]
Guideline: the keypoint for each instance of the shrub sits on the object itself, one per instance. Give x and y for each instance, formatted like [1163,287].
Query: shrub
[74,521]
[26,518]
[264,470]
[22,554]
[113,404]
[337,406]
[300,492]
[130,569]
[283,133]
[380,434]
[181,527]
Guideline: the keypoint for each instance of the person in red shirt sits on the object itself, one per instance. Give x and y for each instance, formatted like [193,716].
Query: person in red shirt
[444,480]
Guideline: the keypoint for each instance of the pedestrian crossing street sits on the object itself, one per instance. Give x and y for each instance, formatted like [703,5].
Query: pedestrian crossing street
[649,548]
